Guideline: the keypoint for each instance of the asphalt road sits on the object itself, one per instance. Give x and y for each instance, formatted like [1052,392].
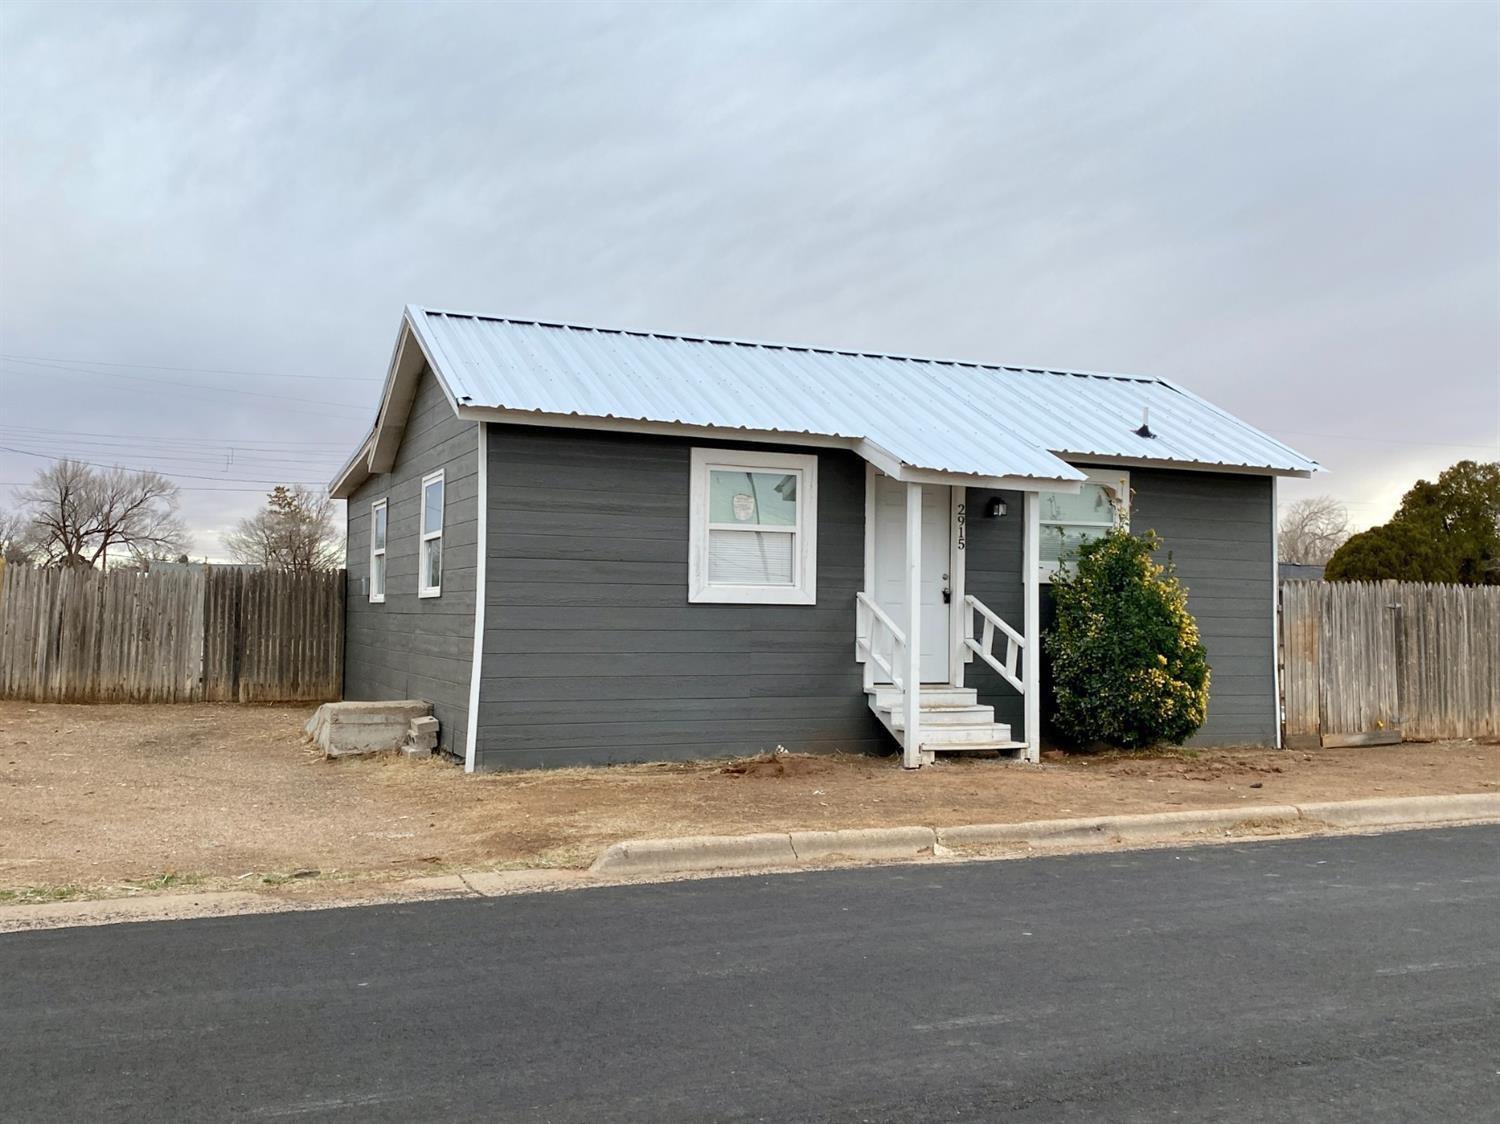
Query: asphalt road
[1353,979]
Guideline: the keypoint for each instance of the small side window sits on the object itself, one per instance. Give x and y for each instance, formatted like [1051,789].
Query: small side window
[377,551]
[430,558]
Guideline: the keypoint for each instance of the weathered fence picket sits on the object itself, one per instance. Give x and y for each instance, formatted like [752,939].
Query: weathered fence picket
[1376,661]
[79,635]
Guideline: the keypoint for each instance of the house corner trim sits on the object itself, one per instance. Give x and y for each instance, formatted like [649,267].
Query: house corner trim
[481,553]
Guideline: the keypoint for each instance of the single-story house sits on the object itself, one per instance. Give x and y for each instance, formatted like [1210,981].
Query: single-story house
[587,545]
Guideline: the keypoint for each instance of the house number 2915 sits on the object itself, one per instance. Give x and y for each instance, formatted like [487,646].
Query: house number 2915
[962,520]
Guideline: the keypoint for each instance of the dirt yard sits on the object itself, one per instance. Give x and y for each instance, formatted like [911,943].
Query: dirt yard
[100,799]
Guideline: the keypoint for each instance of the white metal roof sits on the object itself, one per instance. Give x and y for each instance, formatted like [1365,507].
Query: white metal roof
[939,416]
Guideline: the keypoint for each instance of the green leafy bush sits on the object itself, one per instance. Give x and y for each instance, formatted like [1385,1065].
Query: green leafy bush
[1128,668]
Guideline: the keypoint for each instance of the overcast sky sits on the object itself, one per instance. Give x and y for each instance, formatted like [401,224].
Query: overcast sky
[211,216]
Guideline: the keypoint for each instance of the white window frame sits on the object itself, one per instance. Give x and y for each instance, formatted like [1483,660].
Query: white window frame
[1117,480]
[804,587]
[427,536]
[382,505]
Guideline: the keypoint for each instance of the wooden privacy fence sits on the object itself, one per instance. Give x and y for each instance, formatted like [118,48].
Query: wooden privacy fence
[1370,662]
[79,635]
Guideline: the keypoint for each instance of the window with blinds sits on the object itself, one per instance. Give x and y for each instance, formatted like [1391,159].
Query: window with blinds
[753,526]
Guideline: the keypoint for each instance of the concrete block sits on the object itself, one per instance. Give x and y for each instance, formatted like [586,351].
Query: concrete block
[345,729]
[420,726]
[416,752]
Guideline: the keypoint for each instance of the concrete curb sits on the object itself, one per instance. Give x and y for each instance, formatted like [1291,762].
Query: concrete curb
[696,852]
[1121,829]
[705,855]
[864,843]
[234,903]
[1403,810]
[741,852]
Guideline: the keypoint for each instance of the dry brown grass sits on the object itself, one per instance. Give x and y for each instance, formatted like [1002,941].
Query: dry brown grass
[107,795]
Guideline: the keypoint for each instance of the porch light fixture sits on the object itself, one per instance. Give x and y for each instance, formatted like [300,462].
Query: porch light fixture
[995,508]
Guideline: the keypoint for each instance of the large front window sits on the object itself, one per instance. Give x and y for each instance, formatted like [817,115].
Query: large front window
[1070,520]
[753,528]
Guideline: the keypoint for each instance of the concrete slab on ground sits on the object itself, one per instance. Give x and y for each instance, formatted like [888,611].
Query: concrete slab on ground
[347,729]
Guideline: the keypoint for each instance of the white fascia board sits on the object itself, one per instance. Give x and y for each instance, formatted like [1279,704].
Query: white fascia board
[396,400]
[666,429]
[1074,457]
[378,450]
[1071,484]
[886,461]
[1228,417]
[449,375]
[355,471]
[413,352]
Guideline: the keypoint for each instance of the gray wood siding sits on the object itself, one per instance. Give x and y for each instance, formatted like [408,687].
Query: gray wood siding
[1217,528]
[593,653]
[411,647]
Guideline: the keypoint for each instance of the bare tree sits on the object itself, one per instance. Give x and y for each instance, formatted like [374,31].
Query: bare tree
[1311,530]
[17,542]
[78,513]
[295,531]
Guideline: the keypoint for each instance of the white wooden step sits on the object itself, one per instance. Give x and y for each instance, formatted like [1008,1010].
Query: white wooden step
[965,735]
[1005,747]
[934,716]
[886,695]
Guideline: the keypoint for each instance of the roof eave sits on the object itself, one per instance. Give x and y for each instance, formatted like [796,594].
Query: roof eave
[1080,456]
[355,472]
[1067,479]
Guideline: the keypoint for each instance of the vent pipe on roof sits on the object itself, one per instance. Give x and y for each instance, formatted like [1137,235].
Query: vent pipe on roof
[1145,430]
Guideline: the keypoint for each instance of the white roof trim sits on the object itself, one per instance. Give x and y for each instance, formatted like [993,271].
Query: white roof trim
[868,450]
[378,450]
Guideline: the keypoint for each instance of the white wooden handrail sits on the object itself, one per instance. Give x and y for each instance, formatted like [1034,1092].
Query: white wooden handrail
[880,615]
[984,647]
[871,626]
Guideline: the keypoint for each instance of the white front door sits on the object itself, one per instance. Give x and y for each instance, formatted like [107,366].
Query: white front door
[890,567]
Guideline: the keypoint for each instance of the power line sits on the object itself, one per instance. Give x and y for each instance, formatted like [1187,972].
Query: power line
[191,370]
[173,475]
[218,442]
[1366,439]
[213,449]
[208,460]
[181,488]
[187,386]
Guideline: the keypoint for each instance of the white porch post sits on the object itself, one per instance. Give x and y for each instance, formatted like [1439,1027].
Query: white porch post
[1031,666]
[911,758]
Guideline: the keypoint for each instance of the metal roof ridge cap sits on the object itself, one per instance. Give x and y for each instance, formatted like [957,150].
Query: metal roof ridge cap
[773,345]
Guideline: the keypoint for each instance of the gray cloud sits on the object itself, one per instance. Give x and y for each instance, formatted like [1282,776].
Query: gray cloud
[1289,208]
